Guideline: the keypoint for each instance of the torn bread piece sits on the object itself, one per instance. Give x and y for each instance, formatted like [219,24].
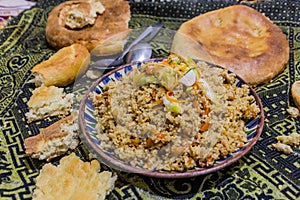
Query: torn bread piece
[84,15]
[292,139]
[283,148]
[54,140]
[62,68]
[296,93]
[285,142]
[47,102]
[73,179]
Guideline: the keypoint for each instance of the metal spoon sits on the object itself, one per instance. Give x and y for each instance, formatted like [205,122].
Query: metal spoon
[135,48]
[139,52]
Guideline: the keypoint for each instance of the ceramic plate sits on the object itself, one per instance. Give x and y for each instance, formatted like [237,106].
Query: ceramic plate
[89,135]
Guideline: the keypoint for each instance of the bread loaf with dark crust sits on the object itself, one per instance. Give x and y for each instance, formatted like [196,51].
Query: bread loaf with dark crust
[106,36]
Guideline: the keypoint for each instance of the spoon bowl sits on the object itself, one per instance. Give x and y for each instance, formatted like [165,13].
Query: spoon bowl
[139,52]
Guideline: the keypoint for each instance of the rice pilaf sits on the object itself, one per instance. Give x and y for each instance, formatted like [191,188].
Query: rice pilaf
[173,115]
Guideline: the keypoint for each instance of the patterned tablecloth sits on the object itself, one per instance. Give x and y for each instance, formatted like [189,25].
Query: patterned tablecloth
[261,174]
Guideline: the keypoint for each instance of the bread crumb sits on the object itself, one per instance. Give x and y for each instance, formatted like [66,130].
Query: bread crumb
[283,148]
[293,111]
[292,139]
[93,74]
[285,142]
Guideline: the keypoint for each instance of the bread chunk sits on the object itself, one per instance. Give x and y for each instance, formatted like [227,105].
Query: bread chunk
[238,38]
[104,35]
[285,142]
[54,140]
[73,179]
[293,139]
[47,102]
[296,93]
[283,148]
[294,112]
[62,68]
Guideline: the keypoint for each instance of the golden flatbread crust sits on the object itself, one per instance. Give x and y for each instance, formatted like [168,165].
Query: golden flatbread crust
[62,68]
[55,139]
[48,102]
[73,179]
[238,38]
[106,36]
[43,94]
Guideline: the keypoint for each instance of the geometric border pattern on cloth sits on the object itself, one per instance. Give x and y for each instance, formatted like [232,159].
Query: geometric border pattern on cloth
[261,174]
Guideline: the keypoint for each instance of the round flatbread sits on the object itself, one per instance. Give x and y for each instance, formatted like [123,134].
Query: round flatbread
[238,38]
[100,26]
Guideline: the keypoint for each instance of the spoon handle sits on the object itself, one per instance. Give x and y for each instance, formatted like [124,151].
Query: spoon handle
[152,30]
[155,29]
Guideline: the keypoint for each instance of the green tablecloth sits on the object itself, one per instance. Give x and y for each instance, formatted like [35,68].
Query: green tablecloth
[261,174]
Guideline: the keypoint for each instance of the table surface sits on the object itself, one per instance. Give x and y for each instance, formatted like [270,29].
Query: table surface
[261,174]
